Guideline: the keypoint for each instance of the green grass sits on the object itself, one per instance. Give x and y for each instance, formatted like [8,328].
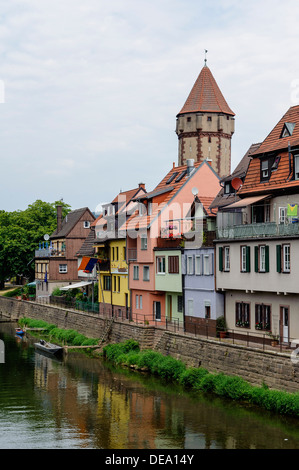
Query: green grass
[13,293]
[200,380]
[69,337]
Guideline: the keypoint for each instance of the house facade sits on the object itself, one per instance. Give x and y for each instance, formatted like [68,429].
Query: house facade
[156,236]
[258,240]
[56,262]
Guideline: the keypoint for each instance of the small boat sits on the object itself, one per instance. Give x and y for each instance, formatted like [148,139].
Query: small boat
[20,332]
[49,348]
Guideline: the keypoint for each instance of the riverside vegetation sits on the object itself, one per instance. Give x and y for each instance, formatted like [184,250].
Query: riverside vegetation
[200,380]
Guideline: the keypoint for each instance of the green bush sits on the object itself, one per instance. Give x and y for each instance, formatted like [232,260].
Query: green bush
[192,376]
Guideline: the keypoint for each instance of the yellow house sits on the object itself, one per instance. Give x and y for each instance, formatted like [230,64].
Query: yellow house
[110,244]
[114,295]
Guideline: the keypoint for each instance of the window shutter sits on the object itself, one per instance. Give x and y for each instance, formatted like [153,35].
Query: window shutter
[248,259]
[267,258]
[220,258]
[256,259]
[278,258]
[211,263]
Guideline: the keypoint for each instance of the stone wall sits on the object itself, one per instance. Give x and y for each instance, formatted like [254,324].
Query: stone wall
[272,368]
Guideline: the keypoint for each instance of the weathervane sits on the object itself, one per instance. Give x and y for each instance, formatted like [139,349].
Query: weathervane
[206,57]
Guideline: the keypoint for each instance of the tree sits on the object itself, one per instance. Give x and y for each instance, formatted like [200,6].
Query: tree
[20,234]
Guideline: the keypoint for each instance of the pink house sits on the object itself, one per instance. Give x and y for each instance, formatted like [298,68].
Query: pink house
[161,218]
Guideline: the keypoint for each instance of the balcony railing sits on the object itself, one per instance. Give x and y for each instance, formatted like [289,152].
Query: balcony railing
[48,252]
[269,229]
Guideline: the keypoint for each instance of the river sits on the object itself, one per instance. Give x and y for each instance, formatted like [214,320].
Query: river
[84,403]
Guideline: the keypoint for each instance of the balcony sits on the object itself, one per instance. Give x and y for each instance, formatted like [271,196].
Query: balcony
[264,230]
[48,252]
[132,254]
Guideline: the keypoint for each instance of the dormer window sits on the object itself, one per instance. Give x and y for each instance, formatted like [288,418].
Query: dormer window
[265,169]
[275,164]
[227,189]
[172,177]
[86,224]
[287,129]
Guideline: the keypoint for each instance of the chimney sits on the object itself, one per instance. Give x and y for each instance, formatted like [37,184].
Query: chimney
[59,217]
[141,185]
[190,166]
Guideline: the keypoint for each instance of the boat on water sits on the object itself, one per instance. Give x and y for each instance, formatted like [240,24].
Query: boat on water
[49,348]
[20,331]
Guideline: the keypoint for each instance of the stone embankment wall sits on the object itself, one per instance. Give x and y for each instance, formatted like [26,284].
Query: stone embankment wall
[257,367]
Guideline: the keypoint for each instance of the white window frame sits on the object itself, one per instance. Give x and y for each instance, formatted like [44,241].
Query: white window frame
[86,224]
[286,258]
[190,307]
[206,265]
[243,258]
[143,242]
[160,265]
[198,267]
[226,260]
[63,268]
[265,168]
[146,269]
[263,258]
[135,272]
[137,302]
[140,302]
[282,215]
[189,264]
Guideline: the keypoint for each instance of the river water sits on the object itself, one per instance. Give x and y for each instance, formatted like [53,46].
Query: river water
[84,403]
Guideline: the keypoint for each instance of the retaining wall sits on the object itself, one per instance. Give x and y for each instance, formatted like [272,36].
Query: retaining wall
[272,368]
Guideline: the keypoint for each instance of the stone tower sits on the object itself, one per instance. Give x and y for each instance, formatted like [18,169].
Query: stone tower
[205,125]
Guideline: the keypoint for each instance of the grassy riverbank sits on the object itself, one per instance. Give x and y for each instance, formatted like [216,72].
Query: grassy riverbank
[199,379]
[67,337]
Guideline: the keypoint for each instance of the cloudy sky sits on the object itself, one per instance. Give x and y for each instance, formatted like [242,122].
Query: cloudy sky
[90,90]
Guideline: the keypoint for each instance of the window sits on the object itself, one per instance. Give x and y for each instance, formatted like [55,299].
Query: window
[286,258]
[282,215]
[160,266]
[198,265]
[261,258]
[190,307]
[180,303]
[137,301]
[114,279]
[136,273]
[245,259]
[144,243]
[181,175]
[189,264]
[172,177]
[157,311]
[63,268]
[206,265]
[86,224]
[140,302]
[173,264]
[296,165]
[264,169]
[146,276]
[207,311]
[227,189]
[188,119]
[209,118]
[243,314]
[262,317]
[107,282]
[226,259]
[118,283]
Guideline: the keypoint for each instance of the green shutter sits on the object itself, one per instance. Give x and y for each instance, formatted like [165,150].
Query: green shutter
[278,258]
[256,259]
[220,258]
[267,258]
[248,259]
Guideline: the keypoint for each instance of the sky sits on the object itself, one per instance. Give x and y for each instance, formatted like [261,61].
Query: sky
[89,91]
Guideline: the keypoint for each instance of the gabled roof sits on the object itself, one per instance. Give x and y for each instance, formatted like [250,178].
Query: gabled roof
[69,222]
[206,96]
[275,141]
[160,198]
[240,171]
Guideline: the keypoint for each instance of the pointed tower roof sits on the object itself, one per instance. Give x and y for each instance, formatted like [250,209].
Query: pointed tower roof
[206,96]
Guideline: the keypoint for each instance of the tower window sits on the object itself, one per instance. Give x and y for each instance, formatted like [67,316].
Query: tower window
[210,140]
[209,118]
[188,119]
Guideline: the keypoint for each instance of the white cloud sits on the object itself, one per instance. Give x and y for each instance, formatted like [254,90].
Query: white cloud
[92,89]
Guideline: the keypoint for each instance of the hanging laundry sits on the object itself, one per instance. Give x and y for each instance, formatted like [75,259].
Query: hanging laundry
[292,210]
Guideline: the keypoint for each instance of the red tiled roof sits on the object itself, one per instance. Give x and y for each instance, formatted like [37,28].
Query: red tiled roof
[274,141]
[206,96]
[207,191]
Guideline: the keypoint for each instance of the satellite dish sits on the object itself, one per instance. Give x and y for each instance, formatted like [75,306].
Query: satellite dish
[46,237]
[237,183]
[194,191]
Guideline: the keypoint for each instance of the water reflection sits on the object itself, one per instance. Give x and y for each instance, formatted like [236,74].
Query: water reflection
[81,402]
